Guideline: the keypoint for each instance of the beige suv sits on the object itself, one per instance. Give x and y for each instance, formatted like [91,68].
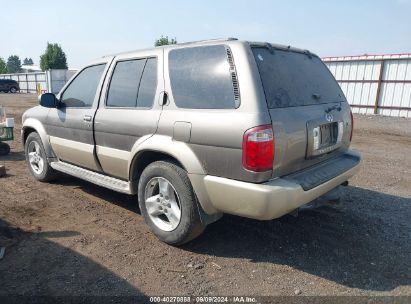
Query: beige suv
[197,130]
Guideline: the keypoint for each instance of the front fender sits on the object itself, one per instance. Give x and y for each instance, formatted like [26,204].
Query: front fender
[35,124]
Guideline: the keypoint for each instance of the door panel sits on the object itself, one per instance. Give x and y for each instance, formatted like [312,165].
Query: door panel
[71,137]
[116,132]
[132,92]
[70,126]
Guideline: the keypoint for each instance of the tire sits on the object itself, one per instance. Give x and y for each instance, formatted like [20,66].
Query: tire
[163,222]
[13,90]
[36,159]
[4,148]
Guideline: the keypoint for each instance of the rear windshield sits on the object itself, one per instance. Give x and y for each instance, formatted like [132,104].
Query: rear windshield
[293,79]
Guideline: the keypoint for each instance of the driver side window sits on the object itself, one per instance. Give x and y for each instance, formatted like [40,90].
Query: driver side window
[81,91]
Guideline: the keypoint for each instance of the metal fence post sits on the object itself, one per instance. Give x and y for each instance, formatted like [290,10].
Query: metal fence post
[27,83]
[48,80]
[379,83]
[35,82]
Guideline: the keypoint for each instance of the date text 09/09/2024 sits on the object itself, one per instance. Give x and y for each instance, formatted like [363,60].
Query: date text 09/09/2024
[205,299]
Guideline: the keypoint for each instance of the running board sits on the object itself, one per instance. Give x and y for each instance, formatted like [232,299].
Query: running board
[93,177]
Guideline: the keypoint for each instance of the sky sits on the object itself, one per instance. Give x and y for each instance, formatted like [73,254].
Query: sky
[91,29]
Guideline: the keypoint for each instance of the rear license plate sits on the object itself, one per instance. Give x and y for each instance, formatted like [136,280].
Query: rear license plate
[325,138]
[328,133]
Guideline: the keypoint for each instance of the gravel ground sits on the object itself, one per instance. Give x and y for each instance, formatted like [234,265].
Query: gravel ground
[71,237]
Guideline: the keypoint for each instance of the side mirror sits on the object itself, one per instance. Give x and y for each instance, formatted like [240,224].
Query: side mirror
[48,100]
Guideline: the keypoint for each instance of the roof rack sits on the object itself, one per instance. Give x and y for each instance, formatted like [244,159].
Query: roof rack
[170,45]
[208,40]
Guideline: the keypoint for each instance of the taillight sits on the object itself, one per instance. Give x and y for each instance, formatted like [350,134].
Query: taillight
[258,148]
[352,125]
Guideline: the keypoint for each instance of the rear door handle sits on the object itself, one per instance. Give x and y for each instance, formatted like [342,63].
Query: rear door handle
[87,118]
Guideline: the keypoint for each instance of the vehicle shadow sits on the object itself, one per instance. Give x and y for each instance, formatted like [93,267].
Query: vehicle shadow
[35,265]
[13,156]
[126,201]
[365,242]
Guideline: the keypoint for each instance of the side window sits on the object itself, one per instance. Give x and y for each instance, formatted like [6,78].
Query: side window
[123,88]
[148,84]
[133,84]
[201,78]
[81,91]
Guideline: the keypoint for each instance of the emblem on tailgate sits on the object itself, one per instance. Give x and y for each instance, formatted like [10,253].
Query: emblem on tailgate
[329,117]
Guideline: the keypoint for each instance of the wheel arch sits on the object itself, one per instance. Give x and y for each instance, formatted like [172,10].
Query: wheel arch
[144,158]
[26,132]
[33,125]
[161,147]
[165,147]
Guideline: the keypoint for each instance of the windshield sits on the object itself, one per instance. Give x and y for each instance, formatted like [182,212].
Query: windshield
[292,79]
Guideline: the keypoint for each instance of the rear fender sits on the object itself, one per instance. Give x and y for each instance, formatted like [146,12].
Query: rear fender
[176,149]
[187,158]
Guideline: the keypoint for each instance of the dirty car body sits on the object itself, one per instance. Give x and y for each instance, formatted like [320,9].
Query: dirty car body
[211,127]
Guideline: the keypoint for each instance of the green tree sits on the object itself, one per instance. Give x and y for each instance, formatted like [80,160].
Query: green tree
[3,68]
[53,58]
[28,61]
[13,64]
[165,41]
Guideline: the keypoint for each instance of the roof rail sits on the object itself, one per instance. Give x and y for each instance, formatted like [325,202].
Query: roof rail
[183,43]
[208,40]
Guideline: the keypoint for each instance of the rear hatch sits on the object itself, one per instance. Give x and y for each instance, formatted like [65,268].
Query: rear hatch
[310,115]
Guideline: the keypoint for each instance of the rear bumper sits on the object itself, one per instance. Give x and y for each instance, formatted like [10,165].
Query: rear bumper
[274,198]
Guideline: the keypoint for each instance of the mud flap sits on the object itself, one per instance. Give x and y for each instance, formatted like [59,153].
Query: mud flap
[207,219]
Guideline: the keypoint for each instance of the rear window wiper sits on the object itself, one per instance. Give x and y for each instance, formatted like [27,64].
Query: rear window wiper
[269,47]
[308,53]
[316,96]
[336,107]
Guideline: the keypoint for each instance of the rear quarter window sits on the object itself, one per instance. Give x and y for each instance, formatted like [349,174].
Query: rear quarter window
[201,79]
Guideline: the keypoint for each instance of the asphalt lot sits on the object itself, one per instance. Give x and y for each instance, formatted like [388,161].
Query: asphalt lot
[71,237]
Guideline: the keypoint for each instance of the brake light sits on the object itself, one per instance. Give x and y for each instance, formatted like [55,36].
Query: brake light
[258,148]
[352,125]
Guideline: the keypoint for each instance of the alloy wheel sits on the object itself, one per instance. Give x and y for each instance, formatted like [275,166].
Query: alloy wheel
[162,204]
[35,158]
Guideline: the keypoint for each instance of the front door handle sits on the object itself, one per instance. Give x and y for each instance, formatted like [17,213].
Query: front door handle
[87,118]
